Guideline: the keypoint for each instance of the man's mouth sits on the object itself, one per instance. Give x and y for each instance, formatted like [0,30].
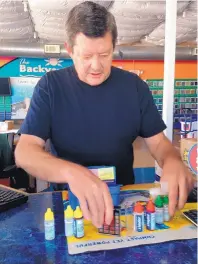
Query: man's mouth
[96,75]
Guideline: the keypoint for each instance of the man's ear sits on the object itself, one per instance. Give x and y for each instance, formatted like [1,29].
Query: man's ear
[69,50]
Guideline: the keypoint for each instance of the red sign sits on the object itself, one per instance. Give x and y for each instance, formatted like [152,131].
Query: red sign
[192,159]
[5,60]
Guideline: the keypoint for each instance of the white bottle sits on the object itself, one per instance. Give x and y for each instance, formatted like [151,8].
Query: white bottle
[49,225]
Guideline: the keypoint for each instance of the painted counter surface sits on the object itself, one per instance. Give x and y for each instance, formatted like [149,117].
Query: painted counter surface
[22,240]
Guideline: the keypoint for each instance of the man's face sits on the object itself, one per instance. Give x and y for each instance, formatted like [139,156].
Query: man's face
[92,58]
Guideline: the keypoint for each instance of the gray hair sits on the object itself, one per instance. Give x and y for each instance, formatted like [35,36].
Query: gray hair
[91,19]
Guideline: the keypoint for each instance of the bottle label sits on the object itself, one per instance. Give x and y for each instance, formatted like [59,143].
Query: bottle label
[166,214]
[69,227]
[49,230]
[159,215]
[78,228]
[138,222]
[150,221]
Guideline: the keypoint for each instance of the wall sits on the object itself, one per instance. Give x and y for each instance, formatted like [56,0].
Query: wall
[25,73]
[151,69]
[155,69]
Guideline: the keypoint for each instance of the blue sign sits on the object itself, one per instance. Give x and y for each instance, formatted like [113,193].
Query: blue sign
[33,67]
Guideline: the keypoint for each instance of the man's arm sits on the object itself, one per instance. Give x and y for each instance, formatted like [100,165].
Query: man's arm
[161,149]
[31,156]
[95,200]
[175,173]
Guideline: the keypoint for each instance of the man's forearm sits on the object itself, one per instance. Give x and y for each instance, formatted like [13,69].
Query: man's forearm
[165,151]
[38,163]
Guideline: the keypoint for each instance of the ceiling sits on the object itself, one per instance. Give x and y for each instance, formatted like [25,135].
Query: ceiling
[142,22]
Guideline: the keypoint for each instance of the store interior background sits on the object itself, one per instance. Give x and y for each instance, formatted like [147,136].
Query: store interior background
[25,32]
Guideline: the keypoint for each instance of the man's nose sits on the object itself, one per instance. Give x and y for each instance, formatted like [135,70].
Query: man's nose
[96,64]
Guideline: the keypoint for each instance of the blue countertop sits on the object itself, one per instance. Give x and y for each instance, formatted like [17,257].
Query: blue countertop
[22,240]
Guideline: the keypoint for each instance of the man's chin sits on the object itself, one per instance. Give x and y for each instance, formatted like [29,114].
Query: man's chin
[95,81]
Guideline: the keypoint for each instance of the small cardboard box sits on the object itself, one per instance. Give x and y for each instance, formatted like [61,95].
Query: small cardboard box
[188,150]
[10,124]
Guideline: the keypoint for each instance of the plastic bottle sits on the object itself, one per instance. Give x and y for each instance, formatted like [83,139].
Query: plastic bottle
[138,213]
[78,223]
[154,192]
[166,211]
[49,225]
[159,210]
[150,215]
[69,225]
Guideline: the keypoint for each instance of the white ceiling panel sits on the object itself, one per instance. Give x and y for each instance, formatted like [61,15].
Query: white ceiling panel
[137,21]
[186,27]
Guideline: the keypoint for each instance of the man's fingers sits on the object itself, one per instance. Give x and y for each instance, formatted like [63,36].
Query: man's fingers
[100,206]
[108,203]
[191,183]
[84,208]
[183,193]
[94,209]
[173,198]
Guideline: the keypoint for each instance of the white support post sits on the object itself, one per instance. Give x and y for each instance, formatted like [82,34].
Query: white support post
[169,70]
[169,65]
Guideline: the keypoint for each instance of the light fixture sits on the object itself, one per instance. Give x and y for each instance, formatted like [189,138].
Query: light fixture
[25,4]
[35,35]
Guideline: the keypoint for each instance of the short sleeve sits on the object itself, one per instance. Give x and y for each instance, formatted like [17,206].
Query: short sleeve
[151,121]
[37,121]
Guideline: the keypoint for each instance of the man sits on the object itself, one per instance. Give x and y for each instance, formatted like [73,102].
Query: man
[92,113]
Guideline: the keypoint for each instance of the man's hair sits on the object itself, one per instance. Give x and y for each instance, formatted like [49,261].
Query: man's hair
[91,19]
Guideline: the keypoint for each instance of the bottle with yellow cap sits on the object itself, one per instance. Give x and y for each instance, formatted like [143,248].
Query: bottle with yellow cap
[69,225]
[78,223]
[49,225]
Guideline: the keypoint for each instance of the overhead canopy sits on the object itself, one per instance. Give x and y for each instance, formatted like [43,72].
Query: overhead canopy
[142,22]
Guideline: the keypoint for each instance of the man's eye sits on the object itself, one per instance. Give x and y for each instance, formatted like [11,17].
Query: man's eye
[87,57]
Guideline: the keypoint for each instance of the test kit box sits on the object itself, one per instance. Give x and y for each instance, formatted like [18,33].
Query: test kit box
[188,151]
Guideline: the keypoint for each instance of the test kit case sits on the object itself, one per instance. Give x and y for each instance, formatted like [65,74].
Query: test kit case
[107,174]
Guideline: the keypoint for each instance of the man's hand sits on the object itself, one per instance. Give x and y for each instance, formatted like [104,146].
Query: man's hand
[180,183]
[93,195]
[175,173]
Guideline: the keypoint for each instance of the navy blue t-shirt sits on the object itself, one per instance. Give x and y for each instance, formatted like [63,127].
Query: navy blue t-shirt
[93,125]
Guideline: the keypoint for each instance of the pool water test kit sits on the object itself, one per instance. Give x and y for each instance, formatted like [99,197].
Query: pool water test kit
[138,216]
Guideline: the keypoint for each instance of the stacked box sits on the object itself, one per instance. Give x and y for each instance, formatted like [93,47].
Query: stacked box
[5,108]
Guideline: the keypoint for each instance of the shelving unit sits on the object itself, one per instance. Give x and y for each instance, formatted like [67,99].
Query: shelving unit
[185,97]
